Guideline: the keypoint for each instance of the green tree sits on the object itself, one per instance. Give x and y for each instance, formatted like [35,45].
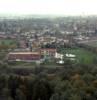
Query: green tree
[75,97]
[20,95]
[41,90]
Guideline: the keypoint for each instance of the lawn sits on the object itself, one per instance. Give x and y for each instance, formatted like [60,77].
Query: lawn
[82,56]
[7,41]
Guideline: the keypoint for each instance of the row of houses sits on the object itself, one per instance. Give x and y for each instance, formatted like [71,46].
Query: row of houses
[5,36]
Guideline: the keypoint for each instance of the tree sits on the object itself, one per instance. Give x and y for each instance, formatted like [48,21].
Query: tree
[55,96]
[13,85]
[41,90]
[6,94]
[75,97]
[20,95]
[2,83]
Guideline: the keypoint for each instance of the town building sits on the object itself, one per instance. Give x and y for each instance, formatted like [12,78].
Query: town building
[24,56]
[48,52]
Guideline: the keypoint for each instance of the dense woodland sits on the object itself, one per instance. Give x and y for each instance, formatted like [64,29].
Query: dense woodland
[72,82]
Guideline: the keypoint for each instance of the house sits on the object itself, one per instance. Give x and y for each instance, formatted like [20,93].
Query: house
[50,52]
[23,44]
[71,56]
[59,56]
[24,56]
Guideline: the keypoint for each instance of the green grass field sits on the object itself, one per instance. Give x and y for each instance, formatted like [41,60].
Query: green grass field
[7,41]
[82,56]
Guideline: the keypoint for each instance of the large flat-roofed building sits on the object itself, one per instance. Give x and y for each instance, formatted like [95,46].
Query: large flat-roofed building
[24,56]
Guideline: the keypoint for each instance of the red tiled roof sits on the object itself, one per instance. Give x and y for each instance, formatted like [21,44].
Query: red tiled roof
[24,56]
